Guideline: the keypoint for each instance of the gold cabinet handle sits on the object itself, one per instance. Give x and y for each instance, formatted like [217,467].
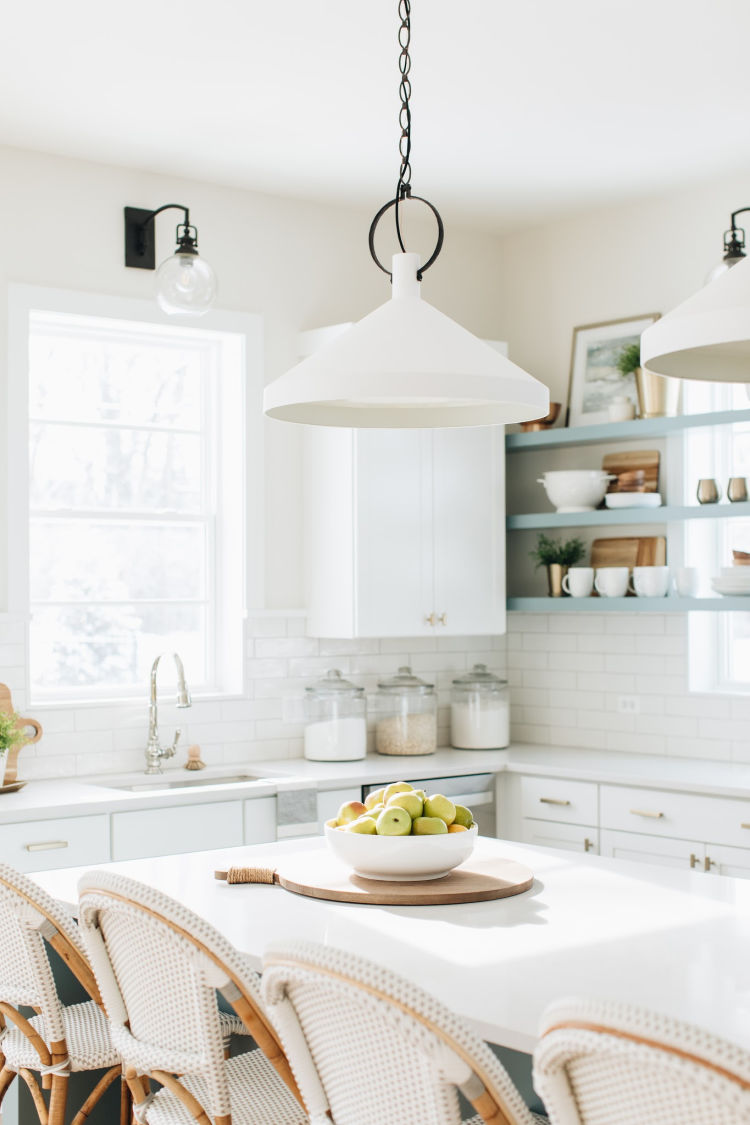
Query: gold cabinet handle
[588,844]
[745,826]
[647,812]
[46,846]
[443,619]
[708,863]
[429,619]
[694,861]
[552,801]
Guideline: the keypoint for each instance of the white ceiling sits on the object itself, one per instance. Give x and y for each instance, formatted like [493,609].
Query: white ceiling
[522,109]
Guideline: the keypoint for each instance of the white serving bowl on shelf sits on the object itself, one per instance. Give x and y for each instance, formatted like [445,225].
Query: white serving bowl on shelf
[576,490]
[616,500]
[401,859]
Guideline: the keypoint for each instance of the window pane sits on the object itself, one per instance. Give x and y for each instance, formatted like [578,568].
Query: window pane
[105,468]
[90,560]
[113,645]
[108,376]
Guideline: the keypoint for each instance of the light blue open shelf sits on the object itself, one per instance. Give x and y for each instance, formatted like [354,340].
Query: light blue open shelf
[620,431]
[603,517]
[629,605]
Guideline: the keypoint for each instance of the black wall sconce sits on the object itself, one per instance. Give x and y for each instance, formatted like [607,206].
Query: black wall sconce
[185,283]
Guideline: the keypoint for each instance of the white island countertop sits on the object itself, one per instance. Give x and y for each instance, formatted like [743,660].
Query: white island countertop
[668,939]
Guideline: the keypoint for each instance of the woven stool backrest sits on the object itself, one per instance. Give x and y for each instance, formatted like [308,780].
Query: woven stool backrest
[606,1063]
[28,917]
[158,966]
[369,1045]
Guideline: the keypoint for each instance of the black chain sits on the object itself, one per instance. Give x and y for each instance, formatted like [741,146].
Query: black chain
[403,188]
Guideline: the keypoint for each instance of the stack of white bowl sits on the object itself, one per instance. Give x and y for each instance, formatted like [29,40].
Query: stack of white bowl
[733,582]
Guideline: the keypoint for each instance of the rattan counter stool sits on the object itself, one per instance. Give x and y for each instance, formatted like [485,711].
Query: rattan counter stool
[60,1038]
[366,1045]
[606,1063]
[158,967]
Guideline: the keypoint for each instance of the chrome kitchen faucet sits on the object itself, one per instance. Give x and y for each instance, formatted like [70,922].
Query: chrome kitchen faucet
[154,751]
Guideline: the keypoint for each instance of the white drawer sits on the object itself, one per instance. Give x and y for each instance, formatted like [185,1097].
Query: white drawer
[550,834]
[42,845]
[187,828]
[659,812]
[553,798]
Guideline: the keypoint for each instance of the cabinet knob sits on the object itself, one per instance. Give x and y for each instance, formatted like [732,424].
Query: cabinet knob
[588,844]
[429,619]
[708,863]
[693,860]
[443,619]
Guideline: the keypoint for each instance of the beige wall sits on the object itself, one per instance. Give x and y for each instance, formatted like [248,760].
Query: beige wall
[298,265]
[604,265]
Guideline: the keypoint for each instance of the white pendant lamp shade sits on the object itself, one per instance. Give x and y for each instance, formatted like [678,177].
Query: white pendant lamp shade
[406,365]
[708,335]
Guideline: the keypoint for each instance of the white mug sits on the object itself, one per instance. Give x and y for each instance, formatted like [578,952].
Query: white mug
[650,581]
[612,581]
[686,581]
[579,581]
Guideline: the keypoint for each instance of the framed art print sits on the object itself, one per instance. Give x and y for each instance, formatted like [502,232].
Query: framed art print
[595,379]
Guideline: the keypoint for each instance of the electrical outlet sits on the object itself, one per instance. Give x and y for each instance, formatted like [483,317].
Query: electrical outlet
[629,705]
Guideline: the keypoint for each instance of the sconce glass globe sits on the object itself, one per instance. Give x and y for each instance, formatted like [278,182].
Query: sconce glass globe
[185,284]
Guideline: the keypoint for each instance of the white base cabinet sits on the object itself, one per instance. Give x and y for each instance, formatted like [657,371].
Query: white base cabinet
[405,532]
[42,845]
[569,837]
[187,828]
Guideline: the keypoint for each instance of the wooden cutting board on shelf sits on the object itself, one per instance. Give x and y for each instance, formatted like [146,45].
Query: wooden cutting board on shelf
[627,462]
[636,550]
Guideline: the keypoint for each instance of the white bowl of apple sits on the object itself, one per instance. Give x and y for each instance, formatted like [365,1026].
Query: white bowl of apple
[400,834]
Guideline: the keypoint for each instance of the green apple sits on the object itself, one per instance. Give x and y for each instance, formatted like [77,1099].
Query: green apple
[429,826]
[349,811]
[376,810]
[413,804]
[394,821]
[397,787]
[375,798]
[463,816]
[364,824]
[421,793]
[438,805]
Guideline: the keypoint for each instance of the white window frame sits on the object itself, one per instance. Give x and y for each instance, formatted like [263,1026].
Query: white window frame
[239,588]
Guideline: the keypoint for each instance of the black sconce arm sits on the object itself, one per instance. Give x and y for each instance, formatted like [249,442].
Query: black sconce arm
[140,242]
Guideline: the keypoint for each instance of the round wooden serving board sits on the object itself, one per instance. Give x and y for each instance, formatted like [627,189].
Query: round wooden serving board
[323,876]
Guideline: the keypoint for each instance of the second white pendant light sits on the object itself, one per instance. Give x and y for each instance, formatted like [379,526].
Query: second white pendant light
[406,365]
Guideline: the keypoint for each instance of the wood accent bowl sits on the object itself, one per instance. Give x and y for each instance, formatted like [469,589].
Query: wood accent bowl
[545,422]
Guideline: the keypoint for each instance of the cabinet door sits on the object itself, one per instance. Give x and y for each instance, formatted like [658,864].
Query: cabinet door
[393,541]
[172,831]
[469,533]
[722,860]
[330,801]
[260,820]
[570,837]
[652,849]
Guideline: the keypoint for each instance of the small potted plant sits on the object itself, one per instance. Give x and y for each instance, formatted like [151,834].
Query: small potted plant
[10,735]
[658,395]
[557,556]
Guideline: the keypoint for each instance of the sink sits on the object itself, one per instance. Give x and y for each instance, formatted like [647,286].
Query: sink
[151,784]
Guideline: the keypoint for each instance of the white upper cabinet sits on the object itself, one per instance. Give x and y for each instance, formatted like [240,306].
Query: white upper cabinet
[405,532]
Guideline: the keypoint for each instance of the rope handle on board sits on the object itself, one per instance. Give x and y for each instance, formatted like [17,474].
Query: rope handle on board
[247,875]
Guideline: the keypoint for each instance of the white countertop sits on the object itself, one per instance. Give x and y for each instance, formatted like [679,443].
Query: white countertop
[42,800]
[668,939]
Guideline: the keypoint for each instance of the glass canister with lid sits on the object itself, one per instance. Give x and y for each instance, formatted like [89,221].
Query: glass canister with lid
[480,711]
[336,714]
[406,721]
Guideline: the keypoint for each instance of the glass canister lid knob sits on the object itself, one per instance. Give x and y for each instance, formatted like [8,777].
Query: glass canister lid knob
[405,680]
[480,675]
[333,683]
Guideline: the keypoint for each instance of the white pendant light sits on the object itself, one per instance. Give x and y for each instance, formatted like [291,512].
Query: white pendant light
[708,335]
[406,365]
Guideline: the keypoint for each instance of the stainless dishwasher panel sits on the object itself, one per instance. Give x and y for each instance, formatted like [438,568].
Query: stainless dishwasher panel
[474,790]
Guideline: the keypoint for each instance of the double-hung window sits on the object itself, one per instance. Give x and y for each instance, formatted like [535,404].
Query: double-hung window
[136,497]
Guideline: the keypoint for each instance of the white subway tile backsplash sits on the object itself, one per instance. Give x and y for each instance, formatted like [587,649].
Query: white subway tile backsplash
[285,647]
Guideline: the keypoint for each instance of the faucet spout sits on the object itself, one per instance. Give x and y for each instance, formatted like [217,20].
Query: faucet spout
[155,752]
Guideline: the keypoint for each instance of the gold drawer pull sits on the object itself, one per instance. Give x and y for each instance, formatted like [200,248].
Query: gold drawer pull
[646,812]
[46,846]
[588,844]
[552,801]
[745,826]
[693,860]
[429,619]
[443,619]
